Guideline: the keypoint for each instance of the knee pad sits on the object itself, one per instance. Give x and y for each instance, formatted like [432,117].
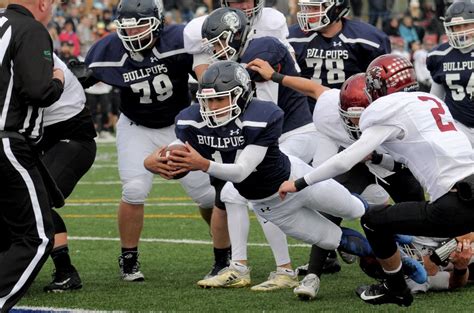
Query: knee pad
[59,226]
[206,199]
[230,195]
[375,194]
[136,190]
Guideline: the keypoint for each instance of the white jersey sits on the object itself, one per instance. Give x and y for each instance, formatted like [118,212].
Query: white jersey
[71,101]
[270,23]
[436,153]
[331,133]
[327,119]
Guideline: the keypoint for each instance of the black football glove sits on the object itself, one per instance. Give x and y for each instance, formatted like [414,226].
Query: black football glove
[82,73]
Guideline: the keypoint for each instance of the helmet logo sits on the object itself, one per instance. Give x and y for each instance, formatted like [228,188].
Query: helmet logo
[242,77]
[373,77]
[232,20]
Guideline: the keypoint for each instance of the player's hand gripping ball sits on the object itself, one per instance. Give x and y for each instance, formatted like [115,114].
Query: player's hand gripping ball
[169,151]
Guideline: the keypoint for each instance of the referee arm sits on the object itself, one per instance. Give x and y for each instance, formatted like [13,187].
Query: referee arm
[38,85]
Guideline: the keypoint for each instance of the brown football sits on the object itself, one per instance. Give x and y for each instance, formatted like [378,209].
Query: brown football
[169,150]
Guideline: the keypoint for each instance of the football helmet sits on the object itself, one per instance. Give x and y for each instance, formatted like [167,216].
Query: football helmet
[228,29]
[317,14]
[224,79]
[144,16]
[253,14]
[460,13]
[389,73]
[352,102]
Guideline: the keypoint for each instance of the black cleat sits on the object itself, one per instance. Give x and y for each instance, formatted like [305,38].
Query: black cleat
[130,267]
[379,294]
[64,281]
[331,265]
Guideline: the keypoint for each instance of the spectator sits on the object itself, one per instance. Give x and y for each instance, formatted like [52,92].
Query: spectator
[68,34]
[377,9]
[54,37]
[398,46]
[66,52]
[407,31]
[391,26]
[85,34]
[356,6]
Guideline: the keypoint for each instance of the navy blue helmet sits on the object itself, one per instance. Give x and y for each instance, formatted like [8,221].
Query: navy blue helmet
[224,79]
[225,33]
[139,23]
[459,24]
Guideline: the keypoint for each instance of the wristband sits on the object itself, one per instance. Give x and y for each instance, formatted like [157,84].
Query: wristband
[300,184]
[277,77]
[459,272]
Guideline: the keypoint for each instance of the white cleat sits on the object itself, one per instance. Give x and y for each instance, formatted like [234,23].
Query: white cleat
[236,275]
[280,279]
[308,287]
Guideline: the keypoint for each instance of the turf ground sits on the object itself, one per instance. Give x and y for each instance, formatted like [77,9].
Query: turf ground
[176,252]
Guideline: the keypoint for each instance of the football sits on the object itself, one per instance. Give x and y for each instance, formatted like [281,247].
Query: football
[169,151]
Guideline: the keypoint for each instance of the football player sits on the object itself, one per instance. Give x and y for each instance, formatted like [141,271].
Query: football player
[243,133]
[147,62]
[68,150]
[451,273]
[416,129]
[330,48]
[452,66]
[263,22]
[226,32]
[335,132]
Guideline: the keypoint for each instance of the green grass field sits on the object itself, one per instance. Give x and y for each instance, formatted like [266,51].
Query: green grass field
[172,263]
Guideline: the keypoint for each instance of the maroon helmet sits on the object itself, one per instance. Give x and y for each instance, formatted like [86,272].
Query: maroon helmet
[389,73]
[352,102]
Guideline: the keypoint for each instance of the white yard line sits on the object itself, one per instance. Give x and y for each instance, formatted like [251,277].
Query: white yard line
[117,182]
[34,309]
[176,241]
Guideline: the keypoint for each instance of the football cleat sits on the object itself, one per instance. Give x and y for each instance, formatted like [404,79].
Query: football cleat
[278,280]
[347,258]
[302,270]
[308,287]
[64,281]
[331,265]
[130,267]
[380,294]
[236,275]
[216,268]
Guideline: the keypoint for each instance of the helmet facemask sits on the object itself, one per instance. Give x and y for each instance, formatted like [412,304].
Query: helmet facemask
[352,129]
[461,39]
[219,117]
[224,51]
[314,16]
[142,40]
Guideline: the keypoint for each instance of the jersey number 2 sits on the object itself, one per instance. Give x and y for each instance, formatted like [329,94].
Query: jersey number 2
[437,114]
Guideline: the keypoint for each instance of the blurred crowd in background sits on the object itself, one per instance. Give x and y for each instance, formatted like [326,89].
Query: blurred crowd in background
[414,27]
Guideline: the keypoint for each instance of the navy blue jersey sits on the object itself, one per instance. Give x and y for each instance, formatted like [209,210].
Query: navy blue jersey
[293,103]
[260,124]
[455,71]
[153,83]
[330,61]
